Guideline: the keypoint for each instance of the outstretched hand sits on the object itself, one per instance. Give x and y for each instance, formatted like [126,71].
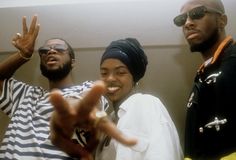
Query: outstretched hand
[25,42]
[70,114]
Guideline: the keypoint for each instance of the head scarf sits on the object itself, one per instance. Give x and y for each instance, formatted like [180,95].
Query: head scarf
[130,52]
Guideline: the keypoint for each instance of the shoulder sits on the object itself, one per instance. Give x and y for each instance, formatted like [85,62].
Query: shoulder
[144,98]
[149,102]
[143,102]
[82,86]
[87,84]
[230,51]
[11,82]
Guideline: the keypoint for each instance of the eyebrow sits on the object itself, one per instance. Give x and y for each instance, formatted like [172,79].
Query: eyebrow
[118,67]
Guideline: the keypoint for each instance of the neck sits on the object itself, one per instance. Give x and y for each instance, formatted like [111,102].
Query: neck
[116,104]
[63,83]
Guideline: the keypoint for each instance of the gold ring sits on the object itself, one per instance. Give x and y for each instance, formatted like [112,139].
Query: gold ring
[100,115]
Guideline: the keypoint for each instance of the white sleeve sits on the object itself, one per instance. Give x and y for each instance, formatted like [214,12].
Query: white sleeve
[148,121]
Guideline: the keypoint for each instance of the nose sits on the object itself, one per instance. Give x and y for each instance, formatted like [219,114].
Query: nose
[51,51]
[111,77]
[189,22]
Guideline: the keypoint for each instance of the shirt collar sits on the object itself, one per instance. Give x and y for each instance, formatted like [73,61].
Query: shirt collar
[217,53]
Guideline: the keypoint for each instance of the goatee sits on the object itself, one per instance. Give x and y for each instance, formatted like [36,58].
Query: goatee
[208,43]
[58,74]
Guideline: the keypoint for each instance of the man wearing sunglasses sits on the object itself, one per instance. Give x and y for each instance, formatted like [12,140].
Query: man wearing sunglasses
[29,108]
[211,121]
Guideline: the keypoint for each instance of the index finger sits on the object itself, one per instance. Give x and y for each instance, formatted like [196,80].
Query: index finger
[33,24]
[60,105]
[111,130]
[25,28]
[92,97]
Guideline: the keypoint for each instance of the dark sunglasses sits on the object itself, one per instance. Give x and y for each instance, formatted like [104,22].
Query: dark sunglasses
[195,13]
[45,49]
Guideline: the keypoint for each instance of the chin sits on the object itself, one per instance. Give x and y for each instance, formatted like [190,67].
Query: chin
[112,98]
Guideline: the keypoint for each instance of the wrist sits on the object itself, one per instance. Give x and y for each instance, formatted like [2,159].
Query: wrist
[24,56]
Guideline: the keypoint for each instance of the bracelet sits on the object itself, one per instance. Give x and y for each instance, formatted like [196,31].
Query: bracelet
[23,57]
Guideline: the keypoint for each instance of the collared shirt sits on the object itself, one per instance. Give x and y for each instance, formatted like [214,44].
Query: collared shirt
[144,117]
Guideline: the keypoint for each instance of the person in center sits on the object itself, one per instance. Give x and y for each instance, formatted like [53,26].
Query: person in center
[138,115]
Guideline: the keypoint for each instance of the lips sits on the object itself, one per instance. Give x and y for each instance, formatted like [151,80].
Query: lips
[112,89]
[192,35]
[51,60]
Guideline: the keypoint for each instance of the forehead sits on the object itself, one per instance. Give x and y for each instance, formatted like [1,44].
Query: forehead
[214,4]
[190,5]
[55,42]
[112,63]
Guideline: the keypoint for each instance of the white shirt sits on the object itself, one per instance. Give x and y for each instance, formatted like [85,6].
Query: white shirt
[144,116]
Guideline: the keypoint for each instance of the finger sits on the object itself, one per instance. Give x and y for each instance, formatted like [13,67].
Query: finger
[93,140]
[60,105]
[16,37]
[13,43]
[91,98]
[56,129]
[68,146]
[35,35]
[25,28]
[33,24]
[64,115]
[110,129]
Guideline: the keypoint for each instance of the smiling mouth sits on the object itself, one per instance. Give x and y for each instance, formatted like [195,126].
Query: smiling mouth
[112,89]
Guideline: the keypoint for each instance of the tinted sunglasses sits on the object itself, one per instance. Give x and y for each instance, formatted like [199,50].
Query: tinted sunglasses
[45,49]
[195,13]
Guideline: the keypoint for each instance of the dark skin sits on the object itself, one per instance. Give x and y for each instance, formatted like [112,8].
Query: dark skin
[70,114]
[197,31]
[25,44]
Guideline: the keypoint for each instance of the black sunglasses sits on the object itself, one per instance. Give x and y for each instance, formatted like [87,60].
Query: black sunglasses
[45,49]
[195,13]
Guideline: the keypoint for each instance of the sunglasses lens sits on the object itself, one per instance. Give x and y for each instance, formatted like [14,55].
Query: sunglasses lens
[43,50]
[60,48]
[180,20]
[197,13]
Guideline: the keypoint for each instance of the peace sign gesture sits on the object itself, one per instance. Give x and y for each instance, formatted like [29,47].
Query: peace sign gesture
[25,42]
[69,115]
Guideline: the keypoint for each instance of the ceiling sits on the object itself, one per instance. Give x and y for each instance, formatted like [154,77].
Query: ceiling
[95,23]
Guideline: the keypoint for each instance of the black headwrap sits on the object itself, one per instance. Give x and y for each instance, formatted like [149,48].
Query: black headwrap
[130,52]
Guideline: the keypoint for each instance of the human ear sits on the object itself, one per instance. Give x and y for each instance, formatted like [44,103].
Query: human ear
[72,63]
[223,21]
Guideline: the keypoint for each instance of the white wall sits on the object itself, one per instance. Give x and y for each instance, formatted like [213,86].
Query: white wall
[94,23]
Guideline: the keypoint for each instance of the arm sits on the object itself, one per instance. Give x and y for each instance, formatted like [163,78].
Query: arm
[25,44]
[82,114]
